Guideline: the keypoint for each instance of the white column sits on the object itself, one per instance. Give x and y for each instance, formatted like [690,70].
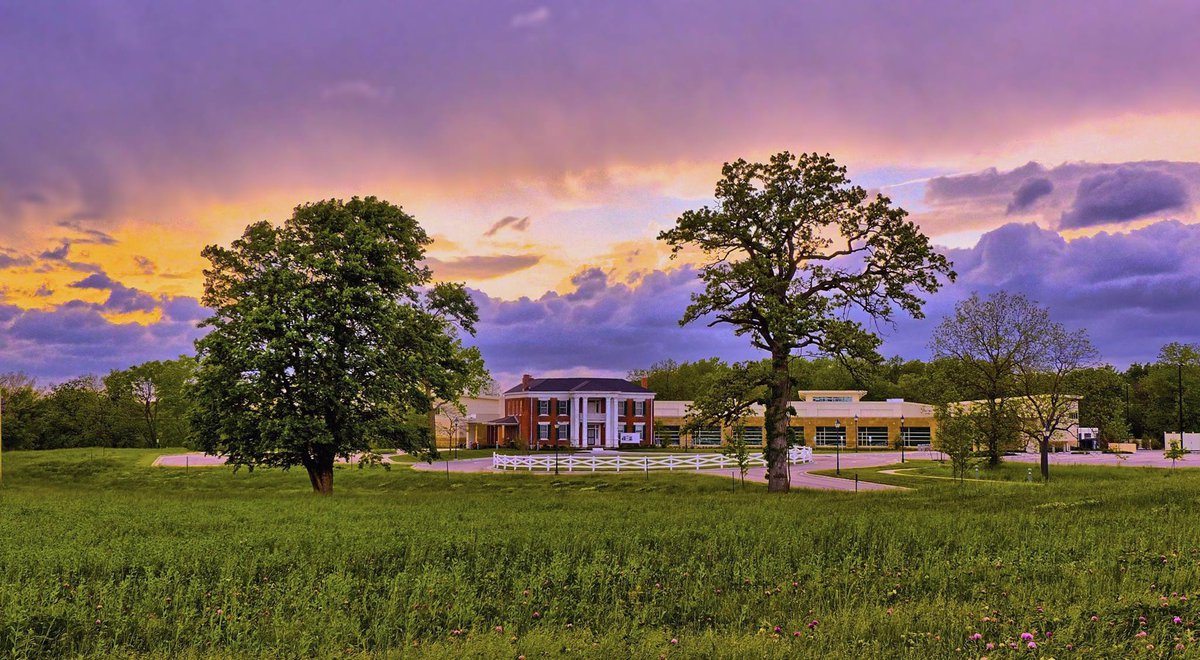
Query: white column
[571,410]
[610,426]
[583,436]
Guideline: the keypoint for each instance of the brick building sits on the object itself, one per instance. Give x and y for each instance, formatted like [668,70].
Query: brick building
[574,412]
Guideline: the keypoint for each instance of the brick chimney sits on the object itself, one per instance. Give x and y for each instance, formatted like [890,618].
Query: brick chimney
[646,382]
[526,379]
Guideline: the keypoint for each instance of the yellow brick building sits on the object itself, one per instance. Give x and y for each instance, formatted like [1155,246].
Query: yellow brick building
[824,418]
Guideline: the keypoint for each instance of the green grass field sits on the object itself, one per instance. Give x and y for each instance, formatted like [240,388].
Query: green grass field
[103,555]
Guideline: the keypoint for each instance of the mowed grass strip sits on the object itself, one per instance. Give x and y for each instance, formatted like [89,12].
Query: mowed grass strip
[105,556]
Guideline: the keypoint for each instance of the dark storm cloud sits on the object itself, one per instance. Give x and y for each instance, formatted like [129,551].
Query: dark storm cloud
[1029,192]
[1067,196]
[75,338]
[1126,193]
[1128,290]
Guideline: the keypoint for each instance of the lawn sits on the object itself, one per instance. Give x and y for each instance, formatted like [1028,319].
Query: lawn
[103,555]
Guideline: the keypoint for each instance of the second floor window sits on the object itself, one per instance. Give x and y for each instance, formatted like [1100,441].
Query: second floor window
[543,406]
[639,408]
[564,407]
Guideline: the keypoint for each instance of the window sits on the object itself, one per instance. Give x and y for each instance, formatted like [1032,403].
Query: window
[639,408]
[543,407]
[873,436]
[622,407]
[915,436]
[709,436]
[640,429]
[753,434]
[832,399]
[563,407]
[543,431]
[666,435]
[831,436]
[564,431]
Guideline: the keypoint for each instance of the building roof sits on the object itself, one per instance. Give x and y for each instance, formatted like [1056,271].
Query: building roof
[511,420]
[579,385]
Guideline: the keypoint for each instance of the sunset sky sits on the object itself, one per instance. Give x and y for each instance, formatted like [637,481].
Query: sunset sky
[1050,148]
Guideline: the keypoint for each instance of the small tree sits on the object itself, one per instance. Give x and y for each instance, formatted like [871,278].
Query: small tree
[1048,405]
[789,250]
[983,343]
[736,449]
[957,437]
[1175,452]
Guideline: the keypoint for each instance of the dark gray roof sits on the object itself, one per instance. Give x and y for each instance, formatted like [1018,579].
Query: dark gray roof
[580,385]
[511,420]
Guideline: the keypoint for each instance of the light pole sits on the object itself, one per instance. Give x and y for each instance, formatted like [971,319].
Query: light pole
[857,437]
[837,443]
[901,438]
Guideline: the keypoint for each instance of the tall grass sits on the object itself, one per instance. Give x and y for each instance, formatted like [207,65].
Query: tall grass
[102,555]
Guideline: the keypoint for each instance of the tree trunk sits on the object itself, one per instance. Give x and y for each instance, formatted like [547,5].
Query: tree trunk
[1045,447]
[780,391]
[320,471]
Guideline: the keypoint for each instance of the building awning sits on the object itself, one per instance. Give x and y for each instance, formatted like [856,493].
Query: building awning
[511,420]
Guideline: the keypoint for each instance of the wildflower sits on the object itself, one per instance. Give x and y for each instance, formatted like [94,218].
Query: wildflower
[989,646]
[1149,647]
[1070,647]
[499,629]
[1141,634]
[976,637]
[1049,634]
[1177,620]
[1095,618]
[674,641]
[1032,645]
[1180,646]
[812,625]
[1025,637]
[778,630]
[537,614]
[97,621]
[220,612]
[796,633]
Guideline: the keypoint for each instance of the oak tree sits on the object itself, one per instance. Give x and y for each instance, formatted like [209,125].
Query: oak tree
[796,258]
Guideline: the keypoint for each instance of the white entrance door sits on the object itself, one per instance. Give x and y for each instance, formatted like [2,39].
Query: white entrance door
[593,435]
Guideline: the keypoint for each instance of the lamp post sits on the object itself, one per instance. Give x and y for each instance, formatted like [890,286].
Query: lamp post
[837,443]
[857,437]
[901,438]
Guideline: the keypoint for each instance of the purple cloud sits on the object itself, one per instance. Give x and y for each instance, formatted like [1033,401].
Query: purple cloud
[1126,193]
[120,297]
[1029,192]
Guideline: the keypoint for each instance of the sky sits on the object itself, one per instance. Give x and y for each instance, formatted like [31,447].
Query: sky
[1048,148]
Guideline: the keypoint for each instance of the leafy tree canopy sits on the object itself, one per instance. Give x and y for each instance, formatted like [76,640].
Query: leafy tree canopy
[328,335]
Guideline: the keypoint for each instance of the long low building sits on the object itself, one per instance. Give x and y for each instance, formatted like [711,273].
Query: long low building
[823,418]
[611,412]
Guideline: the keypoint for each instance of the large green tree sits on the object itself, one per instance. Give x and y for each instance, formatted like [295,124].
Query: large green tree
[788,252]
[328,336]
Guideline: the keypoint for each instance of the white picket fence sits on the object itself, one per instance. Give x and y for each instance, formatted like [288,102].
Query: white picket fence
[618,462]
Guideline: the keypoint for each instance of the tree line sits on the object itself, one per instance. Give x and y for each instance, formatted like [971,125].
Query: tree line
[147,405]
